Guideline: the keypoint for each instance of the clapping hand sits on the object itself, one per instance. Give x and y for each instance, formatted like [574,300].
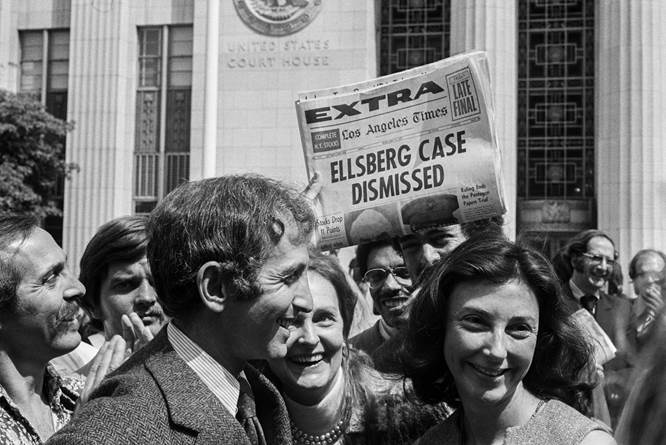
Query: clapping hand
[110,356]
[654,301]
[114,352]
[135,333]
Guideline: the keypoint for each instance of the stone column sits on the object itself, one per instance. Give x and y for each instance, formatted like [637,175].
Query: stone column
[100,96]
[630,133]
[9,66]
[211,91]
[491,25]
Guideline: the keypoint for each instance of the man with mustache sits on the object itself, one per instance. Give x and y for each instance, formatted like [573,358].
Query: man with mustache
[382,267]
[39,320]
[120,297]
[120,293]
[229,257]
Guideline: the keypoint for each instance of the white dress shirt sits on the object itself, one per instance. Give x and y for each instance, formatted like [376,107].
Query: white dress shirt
[215,376]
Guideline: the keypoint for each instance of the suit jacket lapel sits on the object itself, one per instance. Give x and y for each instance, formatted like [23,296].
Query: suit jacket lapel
[570,303]
[271,410]
[189,402]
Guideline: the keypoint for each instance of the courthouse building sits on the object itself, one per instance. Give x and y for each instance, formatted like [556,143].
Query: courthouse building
[163,91]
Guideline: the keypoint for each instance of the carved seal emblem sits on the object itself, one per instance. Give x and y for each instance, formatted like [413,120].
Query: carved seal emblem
[277,17]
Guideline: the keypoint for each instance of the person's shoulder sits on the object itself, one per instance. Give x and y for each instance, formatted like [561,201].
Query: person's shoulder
[125,408]
[261,385]
[367,340]
[598,437]
[444,432]
[557,421]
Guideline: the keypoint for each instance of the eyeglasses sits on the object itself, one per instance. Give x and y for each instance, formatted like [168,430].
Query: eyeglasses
[376,277]
[598,259]
[649,277]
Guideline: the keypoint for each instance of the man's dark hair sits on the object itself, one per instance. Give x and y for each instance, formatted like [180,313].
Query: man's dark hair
[490,226]
[639,254]
[12,228]
[577,246]
[234,220]
[121,240]
[363,252]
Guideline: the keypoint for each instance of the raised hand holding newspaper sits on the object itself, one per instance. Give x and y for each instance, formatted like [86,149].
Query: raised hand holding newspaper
[404,152]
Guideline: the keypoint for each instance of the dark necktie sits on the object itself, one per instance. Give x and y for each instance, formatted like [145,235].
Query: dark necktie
[247,414]
[589,302]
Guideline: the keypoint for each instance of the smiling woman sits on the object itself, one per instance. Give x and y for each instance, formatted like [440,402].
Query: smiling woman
[488,335]
[332,393]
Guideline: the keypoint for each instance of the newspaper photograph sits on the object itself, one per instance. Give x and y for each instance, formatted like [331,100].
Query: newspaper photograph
[403,153]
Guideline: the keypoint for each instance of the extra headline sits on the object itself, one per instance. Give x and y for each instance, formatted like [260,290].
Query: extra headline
[391,159]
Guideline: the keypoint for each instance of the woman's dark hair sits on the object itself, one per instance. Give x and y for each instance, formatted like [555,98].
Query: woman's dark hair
[561,354]
[329,268]
[562,265]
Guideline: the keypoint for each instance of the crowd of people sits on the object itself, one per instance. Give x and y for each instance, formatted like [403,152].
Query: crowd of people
[215,319]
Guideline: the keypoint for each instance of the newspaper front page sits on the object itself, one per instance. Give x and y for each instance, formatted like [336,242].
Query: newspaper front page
[403,153]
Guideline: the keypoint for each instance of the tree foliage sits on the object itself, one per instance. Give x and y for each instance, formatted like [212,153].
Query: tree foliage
[32,156]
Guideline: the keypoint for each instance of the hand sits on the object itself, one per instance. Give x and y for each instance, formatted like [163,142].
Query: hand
[109,357]
[314,187]
[135,333]
[654,302]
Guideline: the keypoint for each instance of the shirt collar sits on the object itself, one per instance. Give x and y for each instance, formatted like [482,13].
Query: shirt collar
[577,293]
[61,393]
[216,377]
[385,330]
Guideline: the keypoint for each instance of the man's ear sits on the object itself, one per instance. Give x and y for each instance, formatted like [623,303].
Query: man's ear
[210,287]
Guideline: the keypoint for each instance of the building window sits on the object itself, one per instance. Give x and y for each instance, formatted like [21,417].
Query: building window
[556,100]
[413,33]
[44,75]
[163,110]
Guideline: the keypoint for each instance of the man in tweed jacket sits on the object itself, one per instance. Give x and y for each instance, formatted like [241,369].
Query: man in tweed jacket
[228,256]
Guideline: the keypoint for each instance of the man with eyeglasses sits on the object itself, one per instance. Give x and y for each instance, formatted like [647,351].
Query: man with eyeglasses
[382,267]
[647,272]
[592,256]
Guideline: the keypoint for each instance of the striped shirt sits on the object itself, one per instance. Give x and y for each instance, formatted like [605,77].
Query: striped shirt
[220,381]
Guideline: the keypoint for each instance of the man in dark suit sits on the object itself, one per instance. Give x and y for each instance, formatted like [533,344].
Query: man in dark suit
[229,257]
[591,255]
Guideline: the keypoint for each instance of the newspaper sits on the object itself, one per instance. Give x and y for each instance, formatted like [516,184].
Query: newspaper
[404,152]
[604,349]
